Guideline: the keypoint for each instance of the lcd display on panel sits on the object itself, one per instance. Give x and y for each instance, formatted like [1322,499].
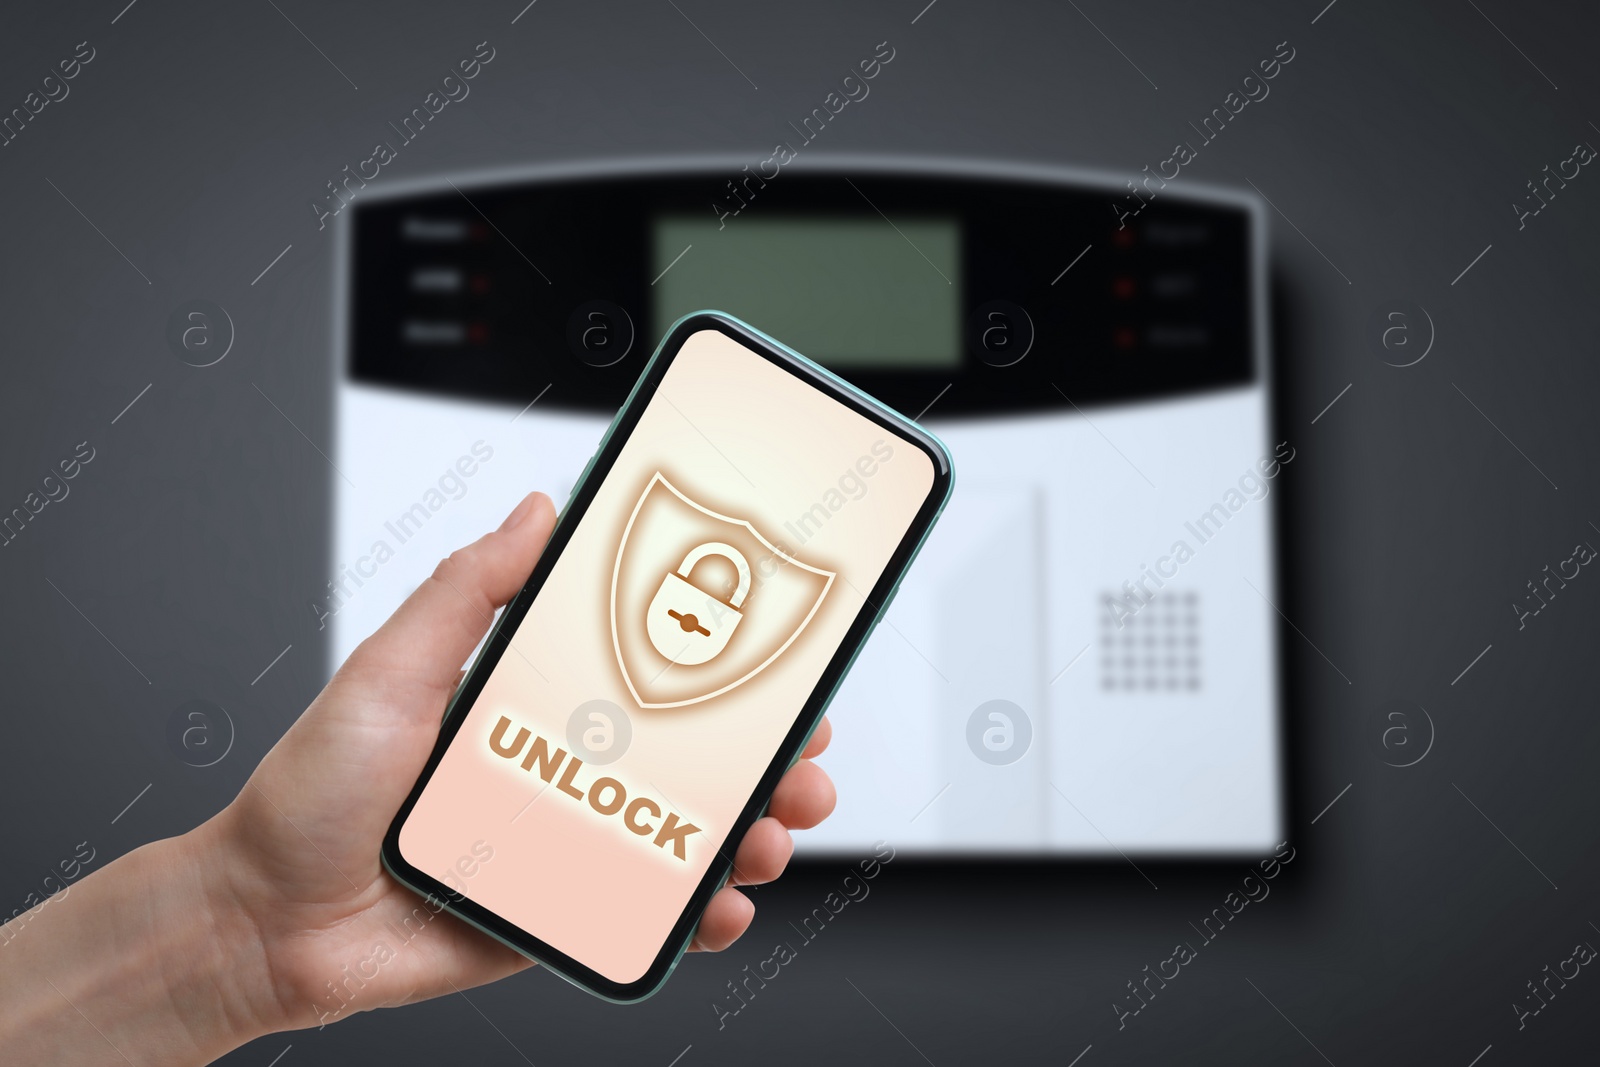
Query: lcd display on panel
[848,291]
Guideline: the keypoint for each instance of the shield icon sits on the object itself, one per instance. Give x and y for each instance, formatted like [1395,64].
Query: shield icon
[702,602]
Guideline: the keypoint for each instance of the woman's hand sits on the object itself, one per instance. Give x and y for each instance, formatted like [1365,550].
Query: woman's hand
[257,920]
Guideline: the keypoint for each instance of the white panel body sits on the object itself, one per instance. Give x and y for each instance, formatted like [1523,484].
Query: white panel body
[1050,513]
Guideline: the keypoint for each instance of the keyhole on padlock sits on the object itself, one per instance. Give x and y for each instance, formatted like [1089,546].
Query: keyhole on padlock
[688,623]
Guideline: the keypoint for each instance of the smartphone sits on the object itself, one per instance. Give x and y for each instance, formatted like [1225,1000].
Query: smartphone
[735,538]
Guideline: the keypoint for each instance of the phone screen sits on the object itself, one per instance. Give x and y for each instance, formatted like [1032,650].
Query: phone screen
[673,645]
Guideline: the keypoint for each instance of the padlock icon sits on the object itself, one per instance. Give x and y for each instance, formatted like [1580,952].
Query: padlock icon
[688,625]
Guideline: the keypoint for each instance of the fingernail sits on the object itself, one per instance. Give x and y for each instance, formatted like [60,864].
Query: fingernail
[514,519]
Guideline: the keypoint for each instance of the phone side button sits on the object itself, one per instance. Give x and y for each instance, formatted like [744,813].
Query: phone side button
[587,467]
[886,605]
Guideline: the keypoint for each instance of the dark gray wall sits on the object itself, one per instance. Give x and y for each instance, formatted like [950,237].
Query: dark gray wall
[1396,142]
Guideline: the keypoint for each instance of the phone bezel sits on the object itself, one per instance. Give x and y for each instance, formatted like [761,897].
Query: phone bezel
[806,720]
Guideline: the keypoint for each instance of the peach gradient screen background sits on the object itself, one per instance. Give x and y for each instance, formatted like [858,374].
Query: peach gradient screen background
[741,437]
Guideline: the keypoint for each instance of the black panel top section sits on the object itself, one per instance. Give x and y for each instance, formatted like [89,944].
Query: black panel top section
[550,283]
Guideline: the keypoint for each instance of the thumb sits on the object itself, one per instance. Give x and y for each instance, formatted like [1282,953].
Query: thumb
[428,639]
